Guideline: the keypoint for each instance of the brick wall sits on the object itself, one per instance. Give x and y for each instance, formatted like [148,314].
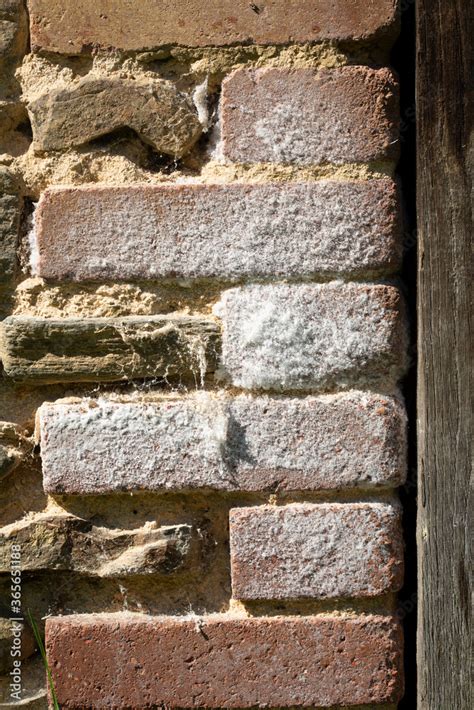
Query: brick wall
[202,342]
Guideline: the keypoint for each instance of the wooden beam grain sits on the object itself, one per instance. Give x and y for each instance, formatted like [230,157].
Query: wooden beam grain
[445,64]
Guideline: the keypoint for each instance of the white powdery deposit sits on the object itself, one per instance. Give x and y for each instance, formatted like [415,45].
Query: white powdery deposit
[304,117]
[320,551]
[307,336]
[104,446]
[200,100]
[34,256]
[223,443]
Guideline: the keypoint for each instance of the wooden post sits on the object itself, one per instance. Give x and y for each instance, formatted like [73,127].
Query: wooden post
[445,66]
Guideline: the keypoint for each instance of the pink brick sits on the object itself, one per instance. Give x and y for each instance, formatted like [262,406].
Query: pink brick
[306,336]
[134,661]
[305,116]
[320,551]
[72,26]
[229,231]
[223,443]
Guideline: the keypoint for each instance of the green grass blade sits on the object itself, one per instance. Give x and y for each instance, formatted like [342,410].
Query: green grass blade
[42,650]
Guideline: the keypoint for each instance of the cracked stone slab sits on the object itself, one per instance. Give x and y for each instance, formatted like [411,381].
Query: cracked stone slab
[321,551]
[230,231]
[63,542]
[155,110]
[313,336]
[52,350]
[223,443]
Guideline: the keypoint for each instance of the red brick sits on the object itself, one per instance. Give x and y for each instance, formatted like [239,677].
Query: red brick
[72,26]
[222,231]
[318,551]
[305,116]
[134,661]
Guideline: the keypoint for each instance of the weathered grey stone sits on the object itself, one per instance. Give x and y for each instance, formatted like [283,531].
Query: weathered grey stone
[219,442]
[8,462]
[155,110]
[34,690]
[312,336]
[107,349]
[321,551]
[63,542]
[12,113]
[230,231]
[13,448]
[14,632]
[13,30]
[10,215]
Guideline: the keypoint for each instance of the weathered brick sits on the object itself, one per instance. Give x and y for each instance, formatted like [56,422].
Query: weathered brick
[223,231]
[98,105]
[107,349]
[306,116]
[320,551]
[134,661]
[312,336]
[222,443]
[62,542]
[71,27]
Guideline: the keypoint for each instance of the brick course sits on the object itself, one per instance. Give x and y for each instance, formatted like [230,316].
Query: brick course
[222,443]
[134,661]
[218,231]
[306,116]
[318,551]
[74,26]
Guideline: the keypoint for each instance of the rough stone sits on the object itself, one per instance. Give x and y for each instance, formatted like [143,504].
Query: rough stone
[13,31]
[321,551]
[10,216]
[61,542]
[14,446]
[306,116]
[223,231]
[52,350]
[219,661]
[312,336]
[9,630]
[72,27]
[222,443]
[8,462]
[98,105]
